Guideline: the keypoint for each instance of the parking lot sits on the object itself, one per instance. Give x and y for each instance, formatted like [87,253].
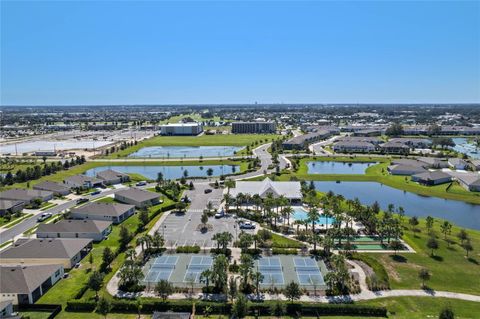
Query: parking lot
[183,229]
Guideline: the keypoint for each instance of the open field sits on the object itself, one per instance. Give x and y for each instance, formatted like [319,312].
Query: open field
[451,270]
[202,140]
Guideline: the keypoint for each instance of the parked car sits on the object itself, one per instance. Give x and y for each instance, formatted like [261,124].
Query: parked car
[220,214]
[82,200]
[247,225]
[95,192]
[44,216]
[142,183]
[208,190]
[185,199]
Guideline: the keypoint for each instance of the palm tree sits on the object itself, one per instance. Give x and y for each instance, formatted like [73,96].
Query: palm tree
[313,216]
[205,277]
[227,198]
[287,211]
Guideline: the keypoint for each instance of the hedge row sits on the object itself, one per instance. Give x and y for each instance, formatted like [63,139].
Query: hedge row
[264,308]
[284,251]
[188,249]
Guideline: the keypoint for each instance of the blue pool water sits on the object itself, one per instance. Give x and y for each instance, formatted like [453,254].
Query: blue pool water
[460,213]
[169,172]
[185,151]
[322,167]
[299,213]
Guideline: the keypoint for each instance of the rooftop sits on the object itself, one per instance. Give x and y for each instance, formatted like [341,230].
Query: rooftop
[45,248]
[103,209]
[74,226]
[24,279]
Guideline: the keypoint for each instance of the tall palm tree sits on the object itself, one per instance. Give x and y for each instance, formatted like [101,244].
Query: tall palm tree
[287,211]
[313,215]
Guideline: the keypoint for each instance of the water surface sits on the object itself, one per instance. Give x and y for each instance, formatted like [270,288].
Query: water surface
[461,213]
[331,167]
[463,146]
[186,151]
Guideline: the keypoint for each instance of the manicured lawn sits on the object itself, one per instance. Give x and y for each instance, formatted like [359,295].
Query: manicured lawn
[283,242]
[203,140]
[450,269]
[4,221]
[17,221]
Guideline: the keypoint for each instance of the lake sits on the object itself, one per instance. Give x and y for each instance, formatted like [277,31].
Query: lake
[330,167]
[186,151]
[27,147]
[169,172]
[461,213]
[462,146]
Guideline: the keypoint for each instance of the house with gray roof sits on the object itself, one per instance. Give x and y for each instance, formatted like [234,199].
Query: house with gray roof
[25,284]
[405,169]
[432,178]
[138,197]
[348,146]
[82,181]
[96,230]
[26,195]
[475,164]
[290,190]
[111,177]
[112,212]
[469,181]
[56,188]
[10,206]
[457,163]
[302,141]
[433,162]
[66,252]
[6,310]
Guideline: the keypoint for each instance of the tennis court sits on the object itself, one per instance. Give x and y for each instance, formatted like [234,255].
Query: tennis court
[161,268]
[196,266]
[272,270]
[308,272]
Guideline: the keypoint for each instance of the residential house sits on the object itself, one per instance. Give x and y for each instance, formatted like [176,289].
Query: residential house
[302,141]
[111,177]
[56,188]
[25,284]
[354,147]
[469,181]
[66,252]
[433,162]
[26,196]
[432,178]
[138,197]
[112,212]
[10,206]
[96,230]
[457,163]
[6,310]
[82,181]
[475,164]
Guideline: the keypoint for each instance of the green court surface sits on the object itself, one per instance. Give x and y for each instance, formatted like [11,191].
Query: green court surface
[182,270]
[280,270]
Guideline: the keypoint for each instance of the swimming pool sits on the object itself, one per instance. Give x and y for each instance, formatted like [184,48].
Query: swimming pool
[299,213]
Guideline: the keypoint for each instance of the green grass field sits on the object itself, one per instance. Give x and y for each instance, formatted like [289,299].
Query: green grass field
[451,270]
[203,140]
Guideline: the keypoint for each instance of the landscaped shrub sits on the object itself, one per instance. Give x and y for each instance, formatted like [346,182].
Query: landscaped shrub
[219,251]
[81,305]
[188,249]
[284,251]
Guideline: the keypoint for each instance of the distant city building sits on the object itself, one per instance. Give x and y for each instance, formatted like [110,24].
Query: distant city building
[181,129]
[253,127]
[45,153]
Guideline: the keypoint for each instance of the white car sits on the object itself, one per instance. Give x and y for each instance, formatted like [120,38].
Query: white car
[44,216]
[247,225]
[220,214]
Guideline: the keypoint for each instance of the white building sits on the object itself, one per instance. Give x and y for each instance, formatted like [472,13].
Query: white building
[181,129]
[290,190]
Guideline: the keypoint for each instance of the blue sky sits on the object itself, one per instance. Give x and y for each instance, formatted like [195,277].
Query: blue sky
[239,52]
